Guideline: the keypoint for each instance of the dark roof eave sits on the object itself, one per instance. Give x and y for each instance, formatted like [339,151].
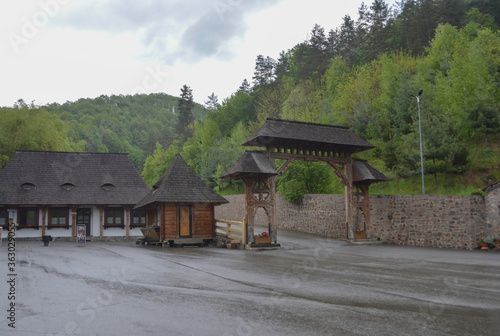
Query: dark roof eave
[285,133]
[304,144]
[241,176]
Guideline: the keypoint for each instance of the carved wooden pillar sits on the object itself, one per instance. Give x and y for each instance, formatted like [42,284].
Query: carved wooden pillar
[271,182]
[249,210]
[273,227]
[349,204]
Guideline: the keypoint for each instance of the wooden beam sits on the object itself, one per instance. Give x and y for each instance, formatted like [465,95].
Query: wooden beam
[339,173]
[308,157]
[284,166]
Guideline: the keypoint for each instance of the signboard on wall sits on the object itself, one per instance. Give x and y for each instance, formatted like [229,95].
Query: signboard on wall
[81,234]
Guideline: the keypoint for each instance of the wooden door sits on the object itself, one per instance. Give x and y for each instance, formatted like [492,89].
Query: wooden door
[185,221]
[83,217]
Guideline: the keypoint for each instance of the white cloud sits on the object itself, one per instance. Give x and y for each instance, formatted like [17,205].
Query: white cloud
[68,49]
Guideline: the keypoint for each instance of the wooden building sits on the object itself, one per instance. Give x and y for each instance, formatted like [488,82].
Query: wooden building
[182,205]
[49,193]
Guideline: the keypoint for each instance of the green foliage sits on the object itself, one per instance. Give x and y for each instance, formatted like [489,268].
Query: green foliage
[32,128]
[237,108]
[303,103]
[158,163]
[303,177]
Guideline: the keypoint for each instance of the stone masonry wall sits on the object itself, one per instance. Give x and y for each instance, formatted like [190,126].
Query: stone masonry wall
[428,220]
[457,222]
[493,213]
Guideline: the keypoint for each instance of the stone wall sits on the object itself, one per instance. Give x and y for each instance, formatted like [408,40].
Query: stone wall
[428,220]
[493,213]
[457,222]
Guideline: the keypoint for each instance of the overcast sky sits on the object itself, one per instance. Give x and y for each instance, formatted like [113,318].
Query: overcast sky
[63,50]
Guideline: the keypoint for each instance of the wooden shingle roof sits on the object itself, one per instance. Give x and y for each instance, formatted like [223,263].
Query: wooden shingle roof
[60,178]
[251,163]
[364,173]
[294,134]
[180,184]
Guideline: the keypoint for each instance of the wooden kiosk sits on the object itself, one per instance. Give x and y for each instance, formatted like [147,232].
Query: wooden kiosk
[182,206]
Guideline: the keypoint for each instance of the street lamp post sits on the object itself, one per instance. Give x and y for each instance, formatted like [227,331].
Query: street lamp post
[420,133]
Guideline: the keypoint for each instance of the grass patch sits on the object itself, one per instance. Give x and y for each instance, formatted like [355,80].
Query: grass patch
[230,190]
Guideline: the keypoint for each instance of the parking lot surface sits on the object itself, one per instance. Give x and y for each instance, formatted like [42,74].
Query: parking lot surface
[311,286]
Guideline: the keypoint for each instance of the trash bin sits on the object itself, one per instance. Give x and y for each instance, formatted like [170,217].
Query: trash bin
[46,240]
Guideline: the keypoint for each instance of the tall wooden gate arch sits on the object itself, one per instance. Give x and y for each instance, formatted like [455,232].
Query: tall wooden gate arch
[290,141]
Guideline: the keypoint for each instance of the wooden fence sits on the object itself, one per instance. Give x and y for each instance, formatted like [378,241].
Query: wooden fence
[231,229]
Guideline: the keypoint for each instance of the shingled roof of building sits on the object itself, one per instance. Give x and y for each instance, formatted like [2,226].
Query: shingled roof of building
[296,134]
[62,178]
[250,163]
[180,184]
[364,173]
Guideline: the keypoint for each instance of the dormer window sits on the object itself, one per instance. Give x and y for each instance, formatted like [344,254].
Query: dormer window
[28,186]
[67,186]
[108,186]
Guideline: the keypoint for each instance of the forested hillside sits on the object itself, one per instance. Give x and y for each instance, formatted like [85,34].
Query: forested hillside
[115,124]
[360,75]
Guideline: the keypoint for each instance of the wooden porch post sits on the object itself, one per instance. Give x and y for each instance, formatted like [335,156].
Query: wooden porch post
[101,221]
[73,220]
[44,219]
[127,221]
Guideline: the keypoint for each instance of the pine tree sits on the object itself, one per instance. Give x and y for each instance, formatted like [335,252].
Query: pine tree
[264,71]
[245,87]
[185,105]
[212,102]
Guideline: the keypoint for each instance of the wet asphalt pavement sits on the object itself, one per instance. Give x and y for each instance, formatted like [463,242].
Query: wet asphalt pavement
[311,286]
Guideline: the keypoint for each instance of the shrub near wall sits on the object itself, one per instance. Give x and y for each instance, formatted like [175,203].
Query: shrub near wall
[457,222]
